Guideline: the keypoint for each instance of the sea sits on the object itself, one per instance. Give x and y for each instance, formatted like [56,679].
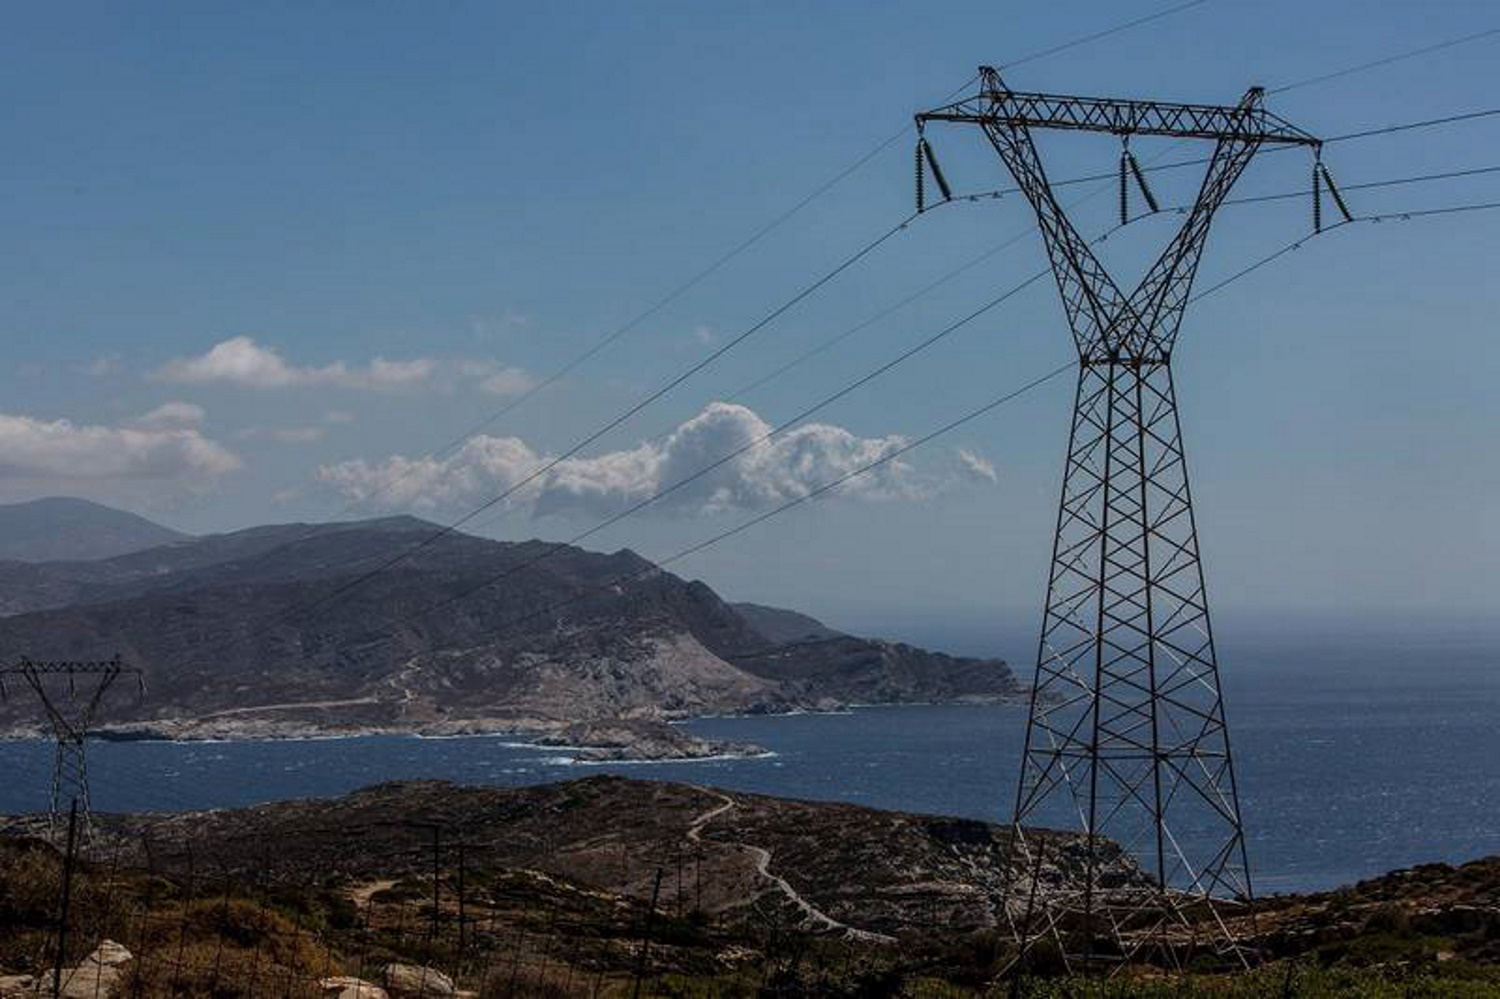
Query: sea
[1361,747]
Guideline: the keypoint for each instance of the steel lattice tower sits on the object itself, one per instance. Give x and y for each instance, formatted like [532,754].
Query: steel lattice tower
[70,729]
[1126,729]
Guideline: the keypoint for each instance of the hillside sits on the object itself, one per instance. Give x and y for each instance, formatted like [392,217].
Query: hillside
[255,633]
[616,887]
[61,527]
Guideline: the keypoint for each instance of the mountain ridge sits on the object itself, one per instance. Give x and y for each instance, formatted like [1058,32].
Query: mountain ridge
[265,632]
[66,527]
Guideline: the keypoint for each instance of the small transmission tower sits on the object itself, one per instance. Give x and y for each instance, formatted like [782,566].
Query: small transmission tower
[1126,738]
[71,719]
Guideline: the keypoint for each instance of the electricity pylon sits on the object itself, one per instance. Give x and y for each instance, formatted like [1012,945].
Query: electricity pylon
[71,720]
[1126,737]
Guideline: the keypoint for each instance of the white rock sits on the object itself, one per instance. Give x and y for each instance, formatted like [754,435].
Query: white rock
[16,985]
[110,954]
[348,987]
[417,981]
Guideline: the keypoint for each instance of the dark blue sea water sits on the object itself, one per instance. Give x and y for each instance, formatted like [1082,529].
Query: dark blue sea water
[1358,752]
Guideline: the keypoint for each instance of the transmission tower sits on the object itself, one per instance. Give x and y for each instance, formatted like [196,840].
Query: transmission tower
[71,718]
[1126,740]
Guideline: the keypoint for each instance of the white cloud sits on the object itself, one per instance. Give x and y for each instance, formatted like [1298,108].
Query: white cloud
[792,465]
[244,362]
[101,366]
[338,416]
[484,466]
[703,335]
[282,435]
[60,449]
[172,414]
[497,379]
[241,361]
[977,467]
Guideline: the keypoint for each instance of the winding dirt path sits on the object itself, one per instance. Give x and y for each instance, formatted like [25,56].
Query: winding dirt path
[762,856]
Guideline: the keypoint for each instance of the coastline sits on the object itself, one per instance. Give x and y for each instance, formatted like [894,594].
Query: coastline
[526,732]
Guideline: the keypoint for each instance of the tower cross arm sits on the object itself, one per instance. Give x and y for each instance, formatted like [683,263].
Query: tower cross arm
[996,104]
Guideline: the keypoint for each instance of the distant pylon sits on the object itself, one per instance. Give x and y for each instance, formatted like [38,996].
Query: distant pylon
[1126,739]
[71,719]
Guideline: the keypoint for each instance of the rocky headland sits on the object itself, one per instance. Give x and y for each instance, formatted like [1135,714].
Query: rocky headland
[278,632]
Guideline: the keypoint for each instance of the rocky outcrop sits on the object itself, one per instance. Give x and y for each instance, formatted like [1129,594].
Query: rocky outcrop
[95,977]
[635,739]
[410,981]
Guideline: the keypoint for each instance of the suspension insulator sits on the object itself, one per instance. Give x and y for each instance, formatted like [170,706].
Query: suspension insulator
[1140,179]
[921,198]
[1338,198]
[1124,190]
[1317,197]
[937,171]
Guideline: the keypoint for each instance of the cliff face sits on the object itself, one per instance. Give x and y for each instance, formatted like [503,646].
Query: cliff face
[254,633]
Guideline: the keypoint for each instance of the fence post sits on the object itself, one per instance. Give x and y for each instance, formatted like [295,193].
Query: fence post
[66,901]
[640,967]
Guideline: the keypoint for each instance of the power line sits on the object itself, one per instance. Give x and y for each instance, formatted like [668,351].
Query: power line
[552,463]
[838,338]
[1368,185]
[1386,61]
[1065,46]
[931,435]
[718,263]
[622,417]
[396,559]
[765,438]
[1428,123]
[774,511]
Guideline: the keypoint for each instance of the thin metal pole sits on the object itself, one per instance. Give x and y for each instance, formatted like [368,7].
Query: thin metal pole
[67,898]
[436,841]
[640,966]
[462,915]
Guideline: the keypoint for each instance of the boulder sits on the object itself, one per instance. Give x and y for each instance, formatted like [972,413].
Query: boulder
[17,985]
[110,954]
[349,987]
[414,981]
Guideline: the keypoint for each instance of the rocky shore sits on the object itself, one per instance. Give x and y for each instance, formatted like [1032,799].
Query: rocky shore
[621,740]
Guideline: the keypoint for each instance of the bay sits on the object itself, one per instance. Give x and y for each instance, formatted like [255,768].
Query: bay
[1356,755]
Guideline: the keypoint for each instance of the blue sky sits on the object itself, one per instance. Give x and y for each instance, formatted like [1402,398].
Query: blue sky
[330,237]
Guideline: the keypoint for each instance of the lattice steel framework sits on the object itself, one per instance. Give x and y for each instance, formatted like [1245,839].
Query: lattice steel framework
[70,719]
[1126,732]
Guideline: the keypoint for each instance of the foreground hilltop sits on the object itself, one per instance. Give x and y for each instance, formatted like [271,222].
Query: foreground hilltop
[278,631]
[616,887]
[817,865]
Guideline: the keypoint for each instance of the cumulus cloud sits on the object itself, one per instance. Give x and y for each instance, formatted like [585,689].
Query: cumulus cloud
[483,467]
[977,467]
[61,449]
[790,466]
[172,414]
[241,361]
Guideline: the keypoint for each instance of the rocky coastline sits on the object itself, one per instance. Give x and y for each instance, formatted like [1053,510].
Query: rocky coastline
[618,740]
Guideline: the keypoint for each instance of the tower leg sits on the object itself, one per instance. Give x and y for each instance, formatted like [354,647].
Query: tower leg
[1126,739]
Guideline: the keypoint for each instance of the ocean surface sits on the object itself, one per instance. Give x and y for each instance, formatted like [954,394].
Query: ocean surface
[1357,753]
